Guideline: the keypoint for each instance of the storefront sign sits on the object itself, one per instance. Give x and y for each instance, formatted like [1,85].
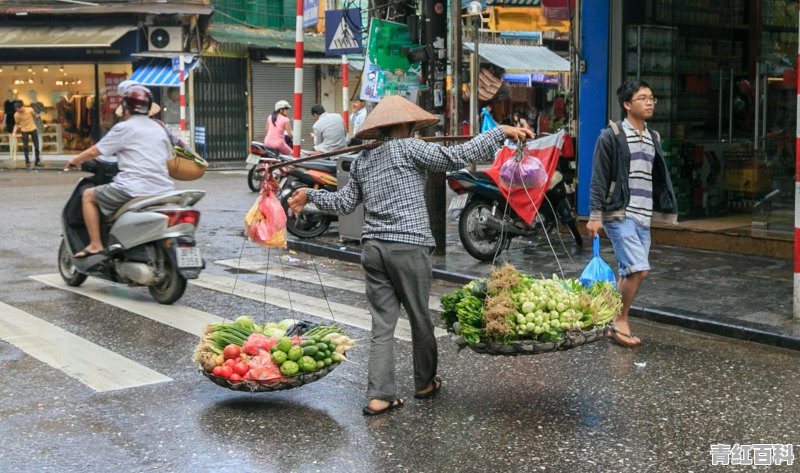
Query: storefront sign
[121,50]
[310,13]
[200,135]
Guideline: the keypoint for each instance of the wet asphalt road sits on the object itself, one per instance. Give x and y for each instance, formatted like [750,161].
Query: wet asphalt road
[598,408]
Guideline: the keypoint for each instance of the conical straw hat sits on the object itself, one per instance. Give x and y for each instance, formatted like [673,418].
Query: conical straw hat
[394,110]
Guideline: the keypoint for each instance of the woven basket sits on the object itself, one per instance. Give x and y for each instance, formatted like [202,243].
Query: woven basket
[570,339]
[183,168]
[291,382]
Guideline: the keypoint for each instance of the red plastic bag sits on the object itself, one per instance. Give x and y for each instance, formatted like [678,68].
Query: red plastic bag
[265,223]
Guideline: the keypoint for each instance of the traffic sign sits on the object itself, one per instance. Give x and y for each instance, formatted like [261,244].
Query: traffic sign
[343,32]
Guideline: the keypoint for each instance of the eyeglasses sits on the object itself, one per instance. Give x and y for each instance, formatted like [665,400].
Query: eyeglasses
[645,100]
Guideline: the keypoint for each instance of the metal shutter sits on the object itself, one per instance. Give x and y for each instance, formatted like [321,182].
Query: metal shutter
[273,82]
[220,105]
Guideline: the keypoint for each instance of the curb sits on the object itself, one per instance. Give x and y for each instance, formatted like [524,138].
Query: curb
[694,321]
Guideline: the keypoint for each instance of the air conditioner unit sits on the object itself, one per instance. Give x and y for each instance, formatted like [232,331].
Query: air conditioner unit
[165,38]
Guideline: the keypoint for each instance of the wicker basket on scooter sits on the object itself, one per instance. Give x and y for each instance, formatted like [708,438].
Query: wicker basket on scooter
[288,382]
[185,165]
[570,339]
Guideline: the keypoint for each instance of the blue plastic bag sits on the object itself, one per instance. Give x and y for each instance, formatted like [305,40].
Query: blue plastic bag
[488,122]
[597,269]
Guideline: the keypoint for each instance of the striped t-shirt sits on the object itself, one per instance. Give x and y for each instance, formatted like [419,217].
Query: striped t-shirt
[640,179]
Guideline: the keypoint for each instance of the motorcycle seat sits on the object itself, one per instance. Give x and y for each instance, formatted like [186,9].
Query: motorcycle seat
[482,176]
[182,197]
[321,165]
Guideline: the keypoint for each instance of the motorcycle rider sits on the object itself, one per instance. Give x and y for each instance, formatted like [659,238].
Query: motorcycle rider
[329,131]
[278,125]
[142,147]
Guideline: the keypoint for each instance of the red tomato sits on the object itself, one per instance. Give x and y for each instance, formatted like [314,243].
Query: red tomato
[225,371]
[231,352]
[238,359]
[235,378]
[230,363]
[216,371]
[241,369]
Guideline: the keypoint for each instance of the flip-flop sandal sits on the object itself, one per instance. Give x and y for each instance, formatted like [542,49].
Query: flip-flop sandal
[395,404]
[437,385]
[85,254]
[616,336]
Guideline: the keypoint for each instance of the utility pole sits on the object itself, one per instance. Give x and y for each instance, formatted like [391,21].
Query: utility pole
[455,67]
[435,36]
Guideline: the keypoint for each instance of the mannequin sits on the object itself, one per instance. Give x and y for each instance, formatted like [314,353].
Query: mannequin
[8,110]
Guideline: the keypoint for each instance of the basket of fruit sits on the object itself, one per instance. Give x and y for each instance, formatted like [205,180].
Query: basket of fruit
[516,314]
[243,356]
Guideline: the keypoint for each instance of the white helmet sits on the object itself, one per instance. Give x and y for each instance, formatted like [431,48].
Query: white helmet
[125,85]
[281,104]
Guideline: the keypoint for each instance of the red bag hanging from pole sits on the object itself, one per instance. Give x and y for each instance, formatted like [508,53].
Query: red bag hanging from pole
[526,202]
[265,223]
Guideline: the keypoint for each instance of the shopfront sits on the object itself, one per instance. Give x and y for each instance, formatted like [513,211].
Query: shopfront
[72,88]
[725,74]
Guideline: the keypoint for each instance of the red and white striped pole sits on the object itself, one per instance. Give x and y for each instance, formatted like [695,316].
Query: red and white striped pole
[796,298]
[183,92]
[298,82]
[345,94]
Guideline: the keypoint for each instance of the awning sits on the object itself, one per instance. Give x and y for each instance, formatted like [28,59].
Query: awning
[353,64]
[61,36]
[522,59]
[159,73]
[526,3]
[265,38]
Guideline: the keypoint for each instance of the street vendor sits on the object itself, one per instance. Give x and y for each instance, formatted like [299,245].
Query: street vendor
[396,238]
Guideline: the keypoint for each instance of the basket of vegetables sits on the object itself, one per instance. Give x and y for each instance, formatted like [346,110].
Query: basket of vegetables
[243,356]
[516,314]
[186,165]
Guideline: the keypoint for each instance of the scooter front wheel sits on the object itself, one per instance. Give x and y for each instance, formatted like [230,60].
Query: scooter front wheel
[480,241]
[69,273]
[172,286]
[255,177]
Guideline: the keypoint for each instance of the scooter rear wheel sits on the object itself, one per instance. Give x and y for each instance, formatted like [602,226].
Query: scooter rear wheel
[480,241]
[172,287]
[255,177]
[69,273]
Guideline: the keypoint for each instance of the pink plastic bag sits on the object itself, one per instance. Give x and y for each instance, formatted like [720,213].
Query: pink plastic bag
[265,223]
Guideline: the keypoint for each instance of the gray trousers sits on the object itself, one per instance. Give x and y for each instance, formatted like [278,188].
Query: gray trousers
[398,273]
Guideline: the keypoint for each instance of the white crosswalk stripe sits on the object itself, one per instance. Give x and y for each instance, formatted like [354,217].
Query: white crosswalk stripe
[342,313]
[96,367]
[308,276]
[184,318]
[89,363]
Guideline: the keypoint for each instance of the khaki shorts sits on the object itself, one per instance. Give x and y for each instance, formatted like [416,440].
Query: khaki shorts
[109,199]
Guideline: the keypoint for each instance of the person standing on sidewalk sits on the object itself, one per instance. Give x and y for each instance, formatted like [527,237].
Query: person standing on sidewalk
[396,238]
[24,121]
[630,187]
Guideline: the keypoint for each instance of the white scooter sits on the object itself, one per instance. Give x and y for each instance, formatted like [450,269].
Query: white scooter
[148,242]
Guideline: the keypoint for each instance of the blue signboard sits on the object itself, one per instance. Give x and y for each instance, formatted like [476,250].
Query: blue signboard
[310,13]
[343,32]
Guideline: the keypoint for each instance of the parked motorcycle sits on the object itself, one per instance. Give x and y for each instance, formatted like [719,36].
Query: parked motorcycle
[149,241]
[312,221]
[487,224]
[258,159]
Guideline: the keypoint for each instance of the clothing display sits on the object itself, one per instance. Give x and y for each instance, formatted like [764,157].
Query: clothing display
[8,115]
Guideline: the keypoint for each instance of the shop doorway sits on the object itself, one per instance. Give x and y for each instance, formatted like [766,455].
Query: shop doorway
[725,74]
[221,107]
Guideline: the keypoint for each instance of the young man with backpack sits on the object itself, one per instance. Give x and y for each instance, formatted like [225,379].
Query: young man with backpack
[630,188]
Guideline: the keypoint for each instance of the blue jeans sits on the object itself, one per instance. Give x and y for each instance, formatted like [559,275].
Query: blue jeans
[631,243]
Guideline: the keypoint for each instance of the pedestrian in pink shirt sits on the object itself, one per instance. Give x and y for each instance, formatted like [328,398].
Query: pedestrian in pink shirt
[277,125]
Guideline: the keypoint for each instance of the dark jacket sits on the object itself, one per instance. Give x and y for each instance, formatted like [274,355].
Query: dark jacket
[610,193]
